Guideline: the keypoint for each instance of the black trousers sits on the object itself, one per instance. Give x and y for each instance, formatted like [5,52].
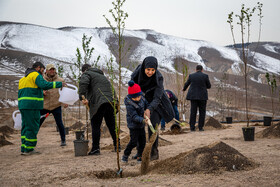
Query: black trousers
[137,139]
[57,114]
[105,111]
[201,105]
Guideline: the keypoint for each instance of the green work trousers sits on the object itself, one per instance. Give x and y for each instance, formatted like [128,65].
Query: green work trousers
[29,130]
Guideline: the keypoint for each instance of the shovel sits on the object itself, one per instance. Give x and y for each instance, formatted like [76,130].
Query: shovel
[150,125]
[87,107]
[180,123]
[147,150]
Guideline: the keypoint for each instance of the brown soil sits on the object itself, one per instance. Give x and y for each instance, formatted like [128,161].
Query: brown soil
[271,132]
[6,130]
[77,126]
[3,141]
[124,141]
[58,166]
[208,159]
[174,132]
[213,123]
[257,125]
[163,142]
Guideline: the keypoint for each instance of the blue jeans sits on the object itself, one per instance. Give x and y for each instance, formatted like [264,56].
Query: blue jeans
[58,119]
[175,108]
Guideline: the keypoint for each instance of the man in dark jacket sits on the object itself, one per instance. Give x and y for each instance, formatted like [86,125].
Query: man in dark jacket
[98,93]
[199,83]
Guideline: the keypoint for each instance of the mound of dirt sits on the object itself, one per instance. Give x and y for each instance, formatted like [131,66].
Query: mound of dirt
[271,132]
[213,158]
[77,126]
[213,123]
[6,130]
[174,132]
[125,140]
[3,141]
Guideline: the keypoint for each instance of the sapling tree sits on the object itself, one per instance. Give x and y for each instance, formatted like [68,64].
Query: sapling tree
[272,88]
[244,20]
[117,26]
[82,59]
[218,98]
[180,81]
[60,69]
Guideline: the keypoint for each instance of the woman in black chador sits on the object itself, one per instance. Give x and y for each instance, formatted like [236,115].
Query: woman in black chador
[151,83]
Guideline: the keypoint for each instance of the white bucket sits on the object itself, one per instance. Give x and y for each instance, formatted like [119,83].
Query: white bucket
[68,95]
[17,119]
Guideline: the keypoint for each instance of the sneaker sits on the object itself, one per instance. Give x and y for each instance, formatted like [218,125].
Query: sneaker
[124,159]
[94,152]
[139,159]
[154,157]
[33,152]
[162,128]
[201,129]
[135,157]
[63,143]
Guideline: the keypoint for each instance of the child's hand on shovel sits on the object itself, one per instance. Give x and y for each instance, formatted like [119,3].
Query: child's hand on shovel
[147,113]
[150,124]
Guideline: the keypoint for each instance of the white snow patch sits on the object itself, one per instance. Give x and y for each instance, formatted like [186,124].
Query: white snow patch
[267,63]
[8,103]
[271,48]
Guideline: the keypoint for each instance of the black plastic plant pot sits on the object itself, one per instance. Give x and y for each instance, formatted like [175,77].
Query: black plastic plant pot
[80,135]
[229,120]
[175,128]
[81,147]
[248,133]
[267,120]
[66,130]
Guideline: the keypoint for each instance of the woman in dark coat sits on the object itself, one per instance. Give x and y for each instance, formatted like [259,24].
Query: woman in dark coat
[151,83]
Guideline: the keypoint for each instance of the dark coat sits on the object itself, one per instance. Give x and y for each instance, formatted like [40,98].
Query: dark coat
[135,112]
[199,83]
[96,88]
[156,95]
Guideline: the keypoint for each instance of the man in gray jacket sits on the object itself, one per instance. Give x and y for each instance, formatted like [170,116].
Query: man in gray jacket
[199,83]
[98,93]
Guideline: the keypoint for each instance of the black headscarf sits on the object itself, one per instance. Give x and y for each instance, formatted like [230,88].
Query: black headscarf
[146,82]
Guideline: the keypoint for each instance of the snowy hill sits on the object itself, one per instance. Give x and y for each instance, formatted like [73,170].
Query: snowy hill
[23,44]
[61,44]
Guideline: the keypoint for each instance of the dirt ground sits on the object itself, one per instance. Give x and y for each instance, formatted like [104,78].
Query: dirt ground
[57,166]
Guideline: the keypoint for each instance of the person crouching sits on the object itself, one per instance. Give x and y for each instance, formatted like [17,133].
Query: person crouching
[135,106]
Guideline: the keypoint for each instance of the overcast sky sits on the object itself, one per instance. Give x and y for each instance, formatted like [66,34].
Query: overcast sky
[192,19]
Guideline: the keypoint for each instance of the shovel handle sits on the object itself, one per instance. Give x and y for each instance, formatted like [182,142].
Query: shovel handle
[176,120]
[150,125]
[180,123]
[83,97]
